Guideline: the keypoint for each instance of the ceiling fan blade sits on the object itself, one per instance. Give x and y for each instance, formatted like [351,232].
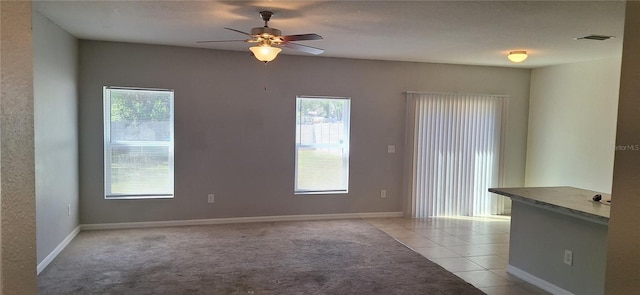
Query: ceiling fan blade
[241,32]
[304,48]
[221,41]
[301,37]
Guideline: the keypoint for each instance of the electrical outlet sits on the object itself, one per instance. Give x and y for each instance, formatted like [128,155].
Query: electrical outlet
[383,193]
[568,257]
[210,198]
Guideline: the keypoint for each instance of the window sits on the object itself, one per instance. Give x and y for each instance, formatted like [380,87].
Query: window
[138,143]
[322,145]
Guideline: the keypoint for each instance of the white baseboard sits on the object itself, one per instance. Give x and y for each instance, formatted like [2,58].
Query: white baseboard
[101,226]
[43,264]
[536,281]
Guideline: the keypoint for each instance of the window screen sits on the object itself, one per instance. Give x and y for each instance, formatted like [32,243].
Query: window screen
[322,145]
[138,145]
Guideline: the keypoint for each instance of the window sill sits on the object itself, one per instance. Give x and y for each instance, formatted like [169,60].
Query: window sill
[138,197]
[337,192]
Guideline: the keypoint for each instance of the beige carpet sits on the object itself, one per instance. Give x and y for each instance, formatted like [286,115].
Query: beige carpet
[310,257]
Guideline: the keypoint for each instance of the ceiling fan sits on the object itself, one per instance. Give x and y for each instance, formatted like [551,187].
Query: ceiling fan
[268,40]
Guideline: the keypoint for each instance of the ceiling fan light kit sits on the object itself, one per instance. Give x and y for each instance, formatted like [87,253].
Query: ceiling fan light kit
[270,39]
[517,56]
[265,53]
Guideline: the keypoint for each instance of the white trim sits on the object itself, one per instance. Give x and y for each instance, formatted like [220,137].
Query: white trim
[45,262]
[536,281]
[100,226]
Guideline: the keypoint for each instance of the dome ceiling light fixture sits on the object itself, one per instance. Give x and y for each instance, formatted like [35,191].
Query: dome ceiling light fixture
[517,56]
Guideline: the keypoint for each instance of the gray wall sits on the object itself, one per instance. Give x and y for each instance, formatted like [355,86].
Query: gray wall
[236,140]
[55,75]
[572,125]
[539,237]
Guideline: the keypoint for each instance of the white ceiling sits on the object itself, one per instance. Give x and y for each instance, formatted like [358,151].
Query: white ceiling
[458,32]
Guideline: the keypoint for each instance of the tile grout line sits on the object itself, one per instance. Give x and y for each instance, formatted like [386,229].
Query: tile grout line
[490,240]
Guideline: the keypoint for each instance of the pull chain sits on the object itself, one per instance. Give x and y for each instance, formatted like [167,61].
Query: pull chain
[265,76]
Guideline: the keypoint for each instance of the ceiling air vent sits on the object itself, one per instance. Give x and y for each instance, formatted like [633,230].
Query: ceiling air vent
[595,37]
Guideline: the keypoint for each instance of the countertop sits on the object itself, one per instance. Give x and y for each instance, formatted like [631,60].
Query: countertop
[564,199]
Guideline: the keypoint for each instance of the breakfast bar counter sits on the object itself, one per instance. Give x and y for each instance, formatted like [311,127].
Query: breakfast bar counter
[564,199]
[558,238]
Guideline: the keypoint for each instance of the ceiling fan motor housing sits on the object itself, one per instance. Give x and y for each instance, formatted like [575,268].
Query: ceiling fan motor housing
[264,31]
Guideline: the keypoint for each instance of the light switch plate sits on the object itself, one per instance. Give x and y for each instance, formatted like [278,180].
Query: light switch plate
[391,149]
[568,257]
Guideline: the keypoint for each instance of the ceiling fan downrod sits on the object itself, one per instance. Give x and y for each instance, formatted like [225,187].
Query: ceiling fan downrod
[266,16]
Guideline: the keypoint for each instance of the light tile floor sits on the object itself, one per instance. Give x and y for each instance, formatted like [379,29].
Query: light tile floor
[476,249]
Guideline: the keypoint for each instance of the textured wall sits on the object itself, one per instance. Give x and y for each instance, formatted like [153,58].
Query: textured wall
[18,237]
[55,75]
[572,125]
[623,260]
[236,140]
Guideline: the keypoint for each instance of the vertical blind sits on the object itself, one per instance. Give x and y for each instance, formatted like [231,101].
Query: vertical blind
[456,142]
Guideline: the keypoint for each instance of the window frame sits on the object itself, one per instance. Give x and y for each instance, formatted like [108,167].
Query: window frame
[345,146]
[108,145]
